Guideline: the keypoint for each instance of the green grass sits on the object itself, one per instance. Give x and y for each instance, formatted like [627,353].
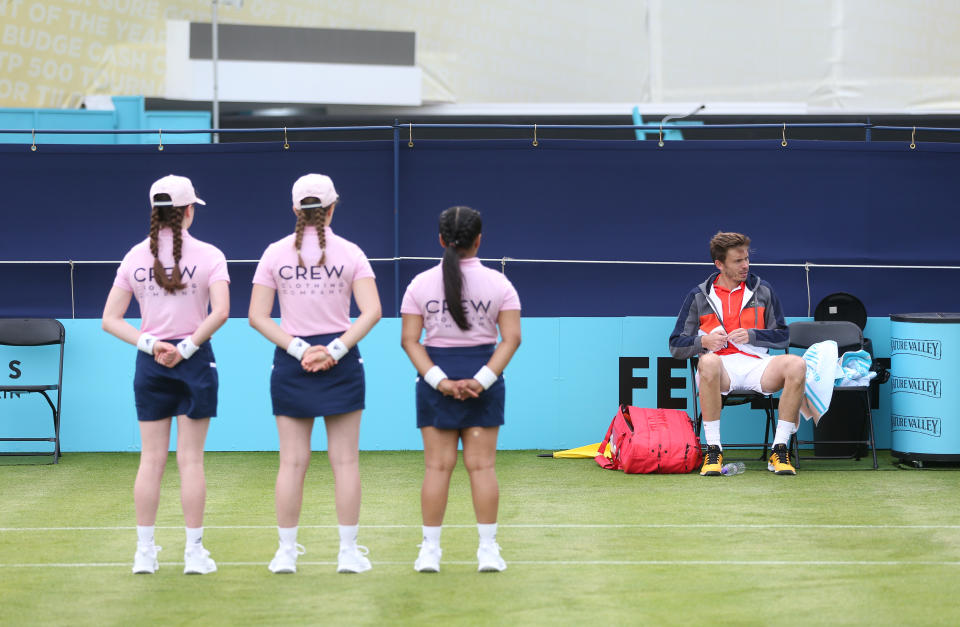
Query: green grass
[837,544]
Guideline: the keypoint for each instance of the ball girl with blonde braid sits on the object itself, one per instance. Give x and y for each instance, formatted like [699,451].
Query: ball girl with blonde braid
[317,368]
[182,287]
[460,393]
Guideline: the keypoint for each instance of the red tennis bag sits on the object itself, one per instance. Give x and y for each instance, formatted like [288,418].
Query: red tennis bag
[651,440]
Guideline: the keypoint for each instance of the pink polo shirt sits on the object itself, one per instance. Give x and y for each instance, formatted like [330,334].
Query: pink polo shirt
[486,293]
[172,316]
[314,299]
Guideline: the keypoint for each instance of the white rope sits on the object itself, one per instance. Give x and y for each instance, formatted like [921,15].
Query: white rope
[807,265]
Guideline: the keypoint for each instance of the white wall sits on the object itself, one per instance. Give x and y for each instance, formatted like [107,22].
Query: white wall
[819,55]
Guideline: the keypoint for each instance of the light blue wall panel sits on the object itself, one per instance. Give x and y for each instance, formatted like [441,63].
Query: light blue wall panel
[128,114]
[562,387]
[57,119]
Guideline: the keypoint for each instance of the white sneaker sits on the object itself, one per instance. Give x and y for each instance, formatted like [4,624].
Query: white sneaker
[145,560]
[353,560]
[488,557]
[428,561]
[285,560]
[197,561]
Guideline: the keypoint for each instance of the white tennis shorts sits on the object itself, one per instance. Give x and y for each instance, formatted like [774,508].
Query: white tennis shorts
[744,371]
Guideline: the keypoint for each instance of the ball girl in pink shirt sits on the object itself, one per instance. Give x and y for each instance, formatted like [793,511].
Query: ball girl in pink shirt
[182,287]
[462,305]
[317,368]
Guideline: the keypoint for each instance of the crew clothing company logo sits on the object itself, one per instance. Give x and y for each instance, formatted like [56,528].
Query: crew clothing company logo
[477,313]
[917,424]
[916,385]
[930,349]
[148,285]
[297,280]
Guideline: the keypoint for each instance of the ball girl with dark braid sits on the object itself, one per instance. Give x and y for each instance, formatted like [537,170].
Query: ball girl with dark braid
[182,287]
[317,368]
[460,392]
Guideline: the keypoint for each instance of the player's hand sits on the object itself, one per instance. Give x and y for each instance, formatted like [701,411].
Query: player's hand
[448,388]
[472,388]
[166,354]
[739,336]
[316,358]
[714,341]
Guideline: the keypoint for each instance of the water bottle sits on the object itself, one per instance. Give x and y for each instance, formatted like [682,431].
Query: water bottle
[733,468]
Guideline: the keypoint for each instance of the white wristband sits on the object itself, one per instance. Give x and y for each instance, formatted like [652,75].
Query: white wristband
[486,377]
[337,349]
[297,347]
[146,342]
[187,348]
[434,376]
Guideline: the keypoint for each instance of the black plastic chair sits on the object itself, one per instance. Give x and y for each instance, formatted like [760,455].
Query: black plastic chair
[766,402]
[36,332]
[848,337]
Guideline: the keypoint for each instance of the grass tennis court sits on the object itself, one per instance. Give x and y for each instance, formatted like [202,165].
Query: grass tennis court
[837,544]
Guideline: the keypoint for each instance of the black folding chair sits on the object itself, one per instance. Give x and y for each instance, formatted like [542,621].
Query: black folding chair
[36,332]
[848,337]
[766,402]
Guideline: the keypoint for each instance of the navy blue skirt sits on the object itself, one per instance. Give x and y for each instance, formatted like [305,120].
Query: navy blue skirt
[301,394]
[189,388]
[444,412]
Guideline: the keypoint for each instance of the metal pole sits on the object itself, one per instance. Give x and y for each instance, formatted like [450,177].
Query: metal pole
[216,99]
[396,217]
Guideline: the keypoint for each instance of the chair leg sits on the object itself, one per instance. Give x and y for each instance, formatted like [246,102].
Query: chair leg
[873,441]
[56,435]
[766,432]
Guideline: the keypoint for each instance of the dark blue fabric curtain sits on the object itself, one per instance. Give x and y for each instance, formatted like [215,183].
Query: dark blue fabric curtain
[811,202]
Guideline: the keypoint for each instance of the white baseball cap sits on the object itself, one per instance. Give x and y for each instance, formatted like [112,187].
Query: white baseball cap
[179,188]
[316,186]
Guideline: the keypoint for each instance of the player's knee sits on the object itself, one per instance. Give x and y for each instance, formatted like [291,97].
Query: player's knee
[710,367]
[479,463]
[795,369]
[441,464]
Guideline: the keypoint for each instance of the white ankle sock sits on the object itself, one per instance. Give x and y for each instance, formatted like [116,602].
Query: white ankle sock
[288,535]
[711,431]
[348,536]
[145,535]
[194,537]
[488,532]
[785,429]
[432,534]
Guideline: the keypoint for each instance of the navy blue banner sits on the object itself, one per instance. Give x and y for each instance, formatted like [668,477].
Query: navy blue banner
[838,203]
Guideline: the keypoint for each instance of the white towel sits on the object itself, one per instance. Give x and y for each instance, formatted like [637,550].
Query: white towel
[822,370]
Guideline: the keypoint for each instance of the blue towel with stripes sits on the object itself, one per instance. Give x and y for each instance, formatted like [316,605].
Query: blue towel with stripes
[854,369]
[822,372]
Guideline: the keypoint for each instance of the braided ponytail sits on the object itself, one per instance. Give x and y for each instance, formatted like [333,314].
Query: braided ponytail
[172,218]
[298,230]
[316,217]
[459,228]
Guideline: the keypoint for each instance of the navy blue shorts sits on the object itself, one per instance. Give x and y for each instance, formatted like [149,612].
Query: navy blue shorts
[444,412]
[301,394]
[189,388]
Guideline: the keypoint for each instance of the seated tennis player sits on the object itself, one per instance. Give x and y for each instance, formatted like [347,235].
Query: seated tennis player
[731,321]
